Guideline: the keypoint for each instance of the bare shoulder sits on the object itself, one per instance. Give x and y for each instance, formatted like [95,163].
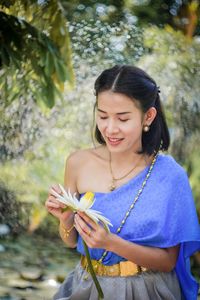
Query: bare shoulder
[85,168]
[78,157]
[81,157]
[74,163]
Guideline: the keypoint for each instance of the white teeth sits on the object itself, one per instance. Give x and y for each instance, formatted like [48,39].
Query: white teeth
[114,139]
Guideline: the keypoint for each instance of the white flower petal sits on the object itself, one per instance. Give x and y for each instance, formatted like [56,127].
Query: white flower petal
[100,217]
[63,191]
[58,196]
[92,216]
[72,199]
[83,205]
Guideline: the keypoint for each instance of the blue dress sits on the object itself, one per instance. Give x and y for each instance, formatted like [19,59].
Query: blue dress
[163,216]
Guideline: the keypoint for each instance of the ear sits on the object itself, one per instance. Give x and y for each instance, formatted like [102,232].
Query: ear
[149,116]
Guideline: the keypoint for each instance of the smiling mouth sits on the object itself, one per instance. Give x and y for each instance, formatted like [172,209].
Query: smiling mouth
[114,140]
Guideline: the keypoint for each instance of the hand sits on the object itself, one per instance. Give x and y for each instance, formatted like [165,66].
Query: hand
[94,235]
[55,207]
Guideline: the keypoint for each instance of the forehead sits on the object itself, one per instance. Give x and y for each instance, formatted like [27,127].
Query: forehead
[116,102]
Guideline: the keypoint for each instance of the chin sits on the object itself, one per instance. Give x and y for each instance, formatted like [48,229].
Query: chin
[115,148]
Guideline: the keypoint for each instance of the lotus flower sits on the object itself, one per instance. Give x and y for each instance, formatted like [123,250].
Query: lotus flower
[84,205]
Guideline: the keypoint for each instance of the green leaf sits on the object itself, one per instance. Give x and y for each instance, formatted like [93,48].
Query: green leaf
[49,64]
[60,70]
[49,95]
[27,47]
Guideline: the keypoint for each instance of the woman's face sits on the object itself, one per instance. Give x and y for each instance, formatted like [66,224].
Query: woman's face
[120,122]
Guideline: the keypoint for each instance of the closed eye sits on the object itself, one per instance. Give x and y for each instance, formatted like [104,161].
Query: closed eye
[103,118]
[122,120]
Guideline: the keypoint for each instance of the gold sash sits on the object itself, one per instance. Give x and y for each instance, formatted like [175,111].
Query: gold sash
[123,268]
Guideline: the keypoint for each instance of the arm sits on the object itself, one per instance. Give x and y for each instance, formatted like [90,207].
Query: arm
[163,260]
[153,258]
[67,232]
[66,229]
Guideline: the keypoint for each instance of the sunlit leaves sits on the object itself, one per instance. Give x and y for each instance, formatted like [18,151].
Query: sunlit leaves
[174,61]
[174,56]
[97,44]
[38,51]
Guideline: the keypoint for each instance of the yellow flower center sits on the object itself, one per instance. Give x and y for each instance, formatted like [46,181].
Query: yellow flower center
[89,197]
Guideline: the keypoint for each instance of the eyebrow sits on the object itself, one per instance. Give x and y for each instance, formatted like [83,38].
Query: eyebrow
[120,113]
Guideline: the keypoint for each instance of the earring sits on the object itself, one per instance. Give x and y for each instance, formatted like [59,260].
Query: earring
[146,128]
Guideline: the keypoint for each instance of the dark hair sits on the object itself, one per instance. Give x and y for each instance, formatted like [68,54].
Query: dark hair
[141,88]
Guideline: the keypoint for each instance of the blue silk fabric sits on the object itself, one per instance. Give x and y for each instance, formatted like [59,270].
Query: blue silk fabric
[163,216]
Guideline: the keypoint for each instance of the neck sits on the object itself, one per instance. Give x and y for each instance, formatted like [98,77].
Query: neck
[126,158]
[135,160]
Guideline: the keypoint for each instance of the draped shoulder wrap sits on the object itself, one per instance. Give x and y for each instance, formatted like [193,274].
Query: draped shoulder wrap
[163,216]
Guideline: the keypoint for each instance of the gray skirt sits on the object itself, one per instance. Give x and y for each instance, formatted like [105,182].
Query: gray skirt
[144,286]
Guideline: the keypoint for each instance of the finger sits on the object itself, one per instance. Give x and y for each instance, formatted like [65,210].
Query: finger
[88,220]
[61,205]
[56,188]
[83,234]
[49,204]
[54,200]
[55,195]
[52,205]
[84,226]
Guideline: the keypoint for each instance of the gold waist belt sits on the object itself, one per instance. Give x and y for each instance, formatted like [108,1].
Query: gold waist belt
[123,268]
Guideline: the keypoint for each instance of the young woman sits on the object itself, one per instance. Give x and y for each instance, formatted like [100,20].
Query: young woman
[145,194]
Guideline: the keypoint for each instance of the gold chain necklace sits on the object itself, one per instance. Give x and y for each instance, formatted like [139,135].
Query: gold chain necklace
[134,201]
[112,186]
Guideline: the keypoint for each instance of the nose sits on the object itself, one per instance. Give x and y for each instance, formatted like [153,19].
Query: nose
[112,127]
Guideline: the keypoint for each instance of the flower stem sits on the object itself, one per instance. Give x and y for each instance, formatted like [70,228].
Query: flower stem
[92,273]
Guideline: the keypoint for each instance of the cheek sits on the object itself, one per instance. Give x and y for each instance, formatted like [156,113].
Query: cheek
[132,129]
[100,125]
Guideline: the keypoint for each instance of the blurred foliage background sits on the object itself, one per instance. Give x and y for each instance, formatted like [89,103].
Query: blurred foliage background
[50,55]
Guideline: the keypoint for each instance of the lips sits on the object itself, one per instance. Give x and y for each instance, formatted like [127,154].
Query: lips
[114,141]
